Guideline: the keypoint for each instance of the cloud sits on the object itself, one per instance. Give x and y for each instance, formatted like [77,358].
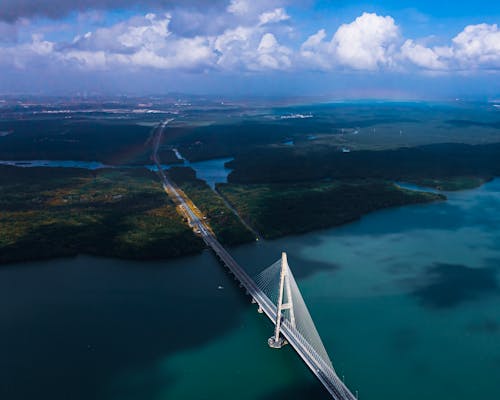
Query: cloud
[249,36]
[38,51]
[275,16]
[422,56]
[477,47]
[215,20]
[249,48]
[148,42]
[315,52]
[257,7]
[368,43]
[271,55]
[12,10]
[139,42]
[372,42]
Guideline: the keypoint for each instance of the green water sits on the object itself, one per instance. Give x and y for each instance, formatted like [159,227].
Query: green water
[406,300]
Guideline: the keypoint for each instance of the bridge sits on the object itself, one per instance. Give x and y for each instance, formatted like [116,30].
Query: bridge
[274,290]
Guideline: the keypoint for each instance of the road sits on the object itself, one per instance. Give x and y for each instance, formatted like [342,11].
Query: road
[188,209]
[319,367]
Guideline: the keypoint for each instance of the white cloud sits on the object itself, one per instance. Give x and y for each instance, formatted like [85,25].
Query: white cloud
[26,54]
[372,42]
[277,15]
[422,56]
[316,52]
[477,46]
[233,46]
[368,43]
[271,55]
[248,48]
[257,40]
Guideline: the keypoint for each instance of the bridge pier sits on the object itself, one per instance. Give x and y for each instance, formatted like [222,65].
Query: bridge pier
[276,344]
[276,341]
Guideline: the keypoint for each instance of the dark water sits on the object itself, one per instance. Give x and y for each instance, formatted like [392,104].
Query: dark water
[211,171]
[56,164]
[406,300]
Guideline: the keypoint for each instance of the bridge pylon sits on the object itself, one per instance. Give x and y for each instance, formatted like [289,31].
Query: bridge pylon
[276,341]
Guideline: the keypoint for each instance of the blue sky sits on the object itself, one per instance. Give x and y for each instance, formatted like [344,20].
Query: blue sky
[399,49]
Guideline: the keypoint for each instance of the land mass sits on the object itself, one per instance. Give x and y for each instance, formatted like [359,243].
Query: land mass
[54,212]
[290,175]
[225,224]
[280,209]
[444,166]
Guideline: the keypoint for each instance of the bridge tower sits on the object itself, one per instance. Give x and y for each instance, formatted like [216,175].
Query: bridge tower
[276,341]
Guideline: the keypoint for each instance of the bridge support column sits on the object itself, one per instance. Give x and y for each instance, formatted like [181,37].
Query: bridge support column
[276,341]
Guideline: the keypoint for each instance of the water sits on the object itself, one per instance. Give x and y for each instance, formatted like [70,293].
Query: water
[56,163]
[406,301]
[411,186]
[211,171]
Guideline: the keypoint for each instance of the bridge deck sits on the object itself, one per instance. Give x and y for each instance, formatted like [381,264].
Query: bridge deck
[320,368]
[325,374]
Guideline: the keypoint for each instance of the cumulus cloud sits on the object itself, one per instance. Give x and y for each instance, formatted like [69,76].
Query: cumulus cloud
[252,49]
[315,52]
[476,47]
[148,42]
[422,56]
[252,36]
[271,55]
[367,43]
[26,54]
[370,42]
[139,42]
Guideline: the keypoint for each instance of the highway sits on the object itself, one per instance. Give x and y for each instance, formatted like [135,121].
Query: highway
[319,367]
[177,195]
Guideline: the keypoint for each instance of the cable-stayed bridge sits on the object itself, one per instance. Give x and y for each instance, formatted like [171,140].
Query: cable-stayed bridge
[278,296]
[274,290]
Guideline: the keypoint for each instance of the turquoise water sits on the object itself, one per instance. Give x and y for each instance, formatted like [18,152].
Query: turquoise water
[406,300]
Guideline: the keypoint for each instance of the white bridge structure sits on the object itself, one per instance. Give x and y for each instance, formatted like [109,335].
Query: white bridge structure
[274,290]
[278,296]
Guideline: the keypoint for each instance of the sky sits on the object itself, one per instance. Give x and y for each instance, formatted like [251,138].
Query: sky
[337,48]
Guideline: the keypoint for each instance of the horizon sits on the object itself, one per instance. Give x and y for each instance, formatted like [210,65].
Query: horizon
[273,99]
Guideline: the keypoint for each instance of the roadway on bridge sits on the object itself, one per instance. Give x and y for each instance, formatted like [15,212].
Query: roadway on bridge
[319,367]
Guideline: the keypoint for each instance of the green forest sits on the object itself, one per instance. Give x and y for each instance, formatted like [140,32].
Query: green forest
[51,212]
